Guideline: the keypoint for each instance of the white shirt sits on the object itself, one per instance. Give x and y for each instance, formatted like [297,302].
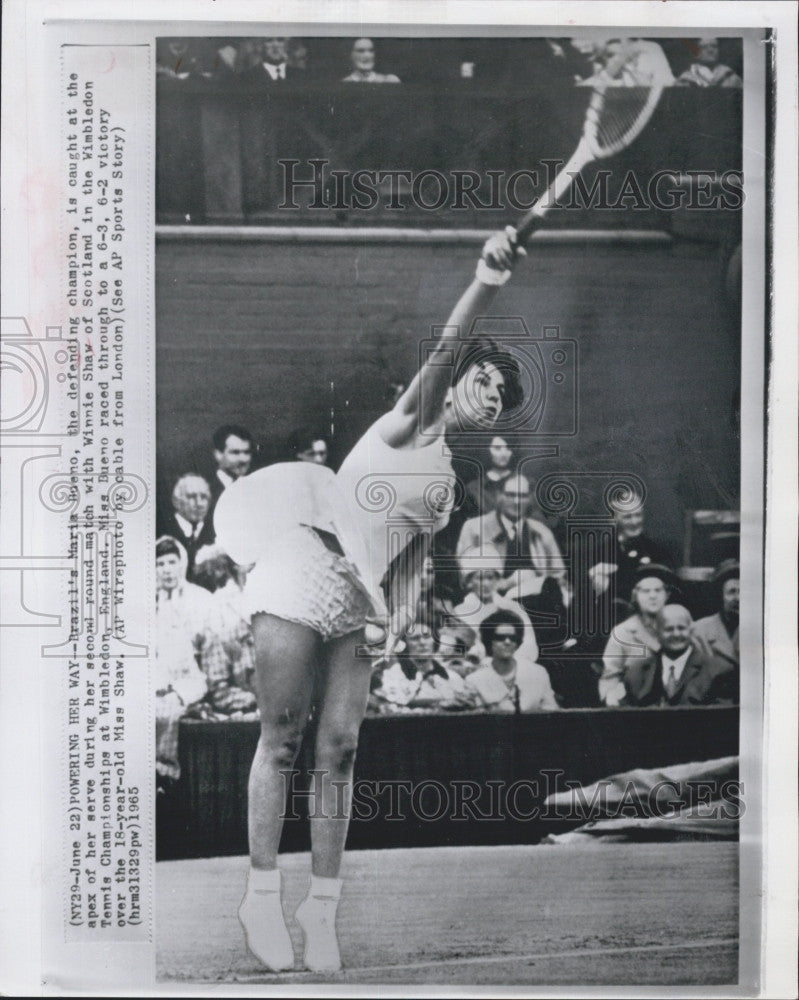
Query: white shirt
[679,665]
[276,72]
[224,478]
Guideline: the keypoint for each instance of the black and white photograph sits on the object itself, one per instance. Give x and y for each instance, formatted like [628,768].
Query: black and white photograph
[398,450]
[448,659]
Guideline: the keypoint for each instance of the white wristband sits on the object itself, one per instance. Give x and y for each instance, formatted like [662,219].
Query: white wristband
[489,275]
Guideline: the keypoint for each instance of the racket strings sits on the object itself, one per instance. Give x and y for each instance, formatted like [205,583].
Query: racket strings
[623,115]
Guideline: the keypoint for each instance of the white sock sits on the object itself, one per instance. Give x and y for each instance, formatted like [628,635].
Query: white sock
[317,917]
[325,888]
[261,916]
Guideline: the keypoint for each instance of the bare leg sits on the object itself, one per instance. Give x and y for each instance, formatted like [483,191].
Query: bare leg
[343,698]
[285,654]
[344,691]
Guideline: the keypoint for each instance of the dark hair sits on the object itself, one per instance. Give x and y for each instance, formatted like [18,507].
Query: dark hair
[484,350]
[302,438]
[489,626]
[221,434]
[167,546]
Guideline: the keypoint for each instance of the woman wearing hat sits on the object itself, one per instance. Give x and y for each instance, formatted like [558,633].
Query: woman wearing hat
[635,639]
[716,636]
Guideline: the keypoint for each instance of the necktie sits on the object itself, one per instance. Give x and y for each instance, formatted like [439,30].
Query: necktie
[517,699]
[671,683]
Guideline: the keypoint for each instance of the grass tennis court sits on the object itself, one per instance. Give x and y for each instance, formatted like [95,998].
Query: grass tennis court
[628,914]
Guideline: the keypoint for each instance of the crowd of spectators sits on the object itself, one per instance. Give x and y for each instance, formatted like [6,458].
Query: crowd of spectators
[498,616]
[258,62]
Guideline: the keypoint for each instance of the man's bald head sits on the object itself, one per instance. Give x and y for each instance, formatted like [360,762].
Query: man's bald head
[673,625]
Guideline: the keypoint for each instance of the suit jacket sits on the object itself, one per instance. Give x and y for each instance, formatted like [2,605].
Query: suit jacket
[257,76]
[643,681]
[168,525]
[488,530]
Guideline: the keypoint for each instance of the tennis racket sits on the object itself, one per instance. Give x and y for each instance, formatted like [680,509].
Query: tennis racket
[623,98]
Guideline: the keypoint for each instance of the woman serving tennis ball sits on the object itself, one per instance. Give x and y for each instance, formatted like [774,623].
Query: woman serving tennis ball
[322,555]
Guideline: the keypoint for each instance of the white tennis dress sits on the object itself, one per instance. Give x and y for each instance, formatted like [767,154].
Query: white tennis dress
[381,498]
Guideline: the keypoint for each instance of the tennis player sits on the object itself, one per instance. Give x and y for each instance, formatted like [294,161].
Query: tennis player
[322,552]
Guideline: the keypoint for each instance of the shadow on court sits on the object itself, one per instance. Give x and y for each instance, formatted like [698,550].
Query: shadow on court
[598,914]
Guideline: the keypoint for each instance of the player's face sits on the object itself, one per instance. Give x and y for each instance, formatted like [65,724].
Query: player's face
[478,398]
[730,596]
[674,630]
[167,572]
[363,55]
[650,595]
[192,498]
[500,453]
[236,458]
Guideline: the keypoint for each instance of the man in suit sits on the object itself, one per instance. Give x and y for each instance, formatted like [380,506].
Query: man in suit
[533,567]
[615,574]
[233,457]
[674,676]
[188,521]
[272,67]
[522,542]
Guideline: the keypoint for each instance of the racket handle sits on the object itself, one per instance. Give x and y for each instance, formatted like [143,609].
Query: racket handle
[532,219]
[528,225]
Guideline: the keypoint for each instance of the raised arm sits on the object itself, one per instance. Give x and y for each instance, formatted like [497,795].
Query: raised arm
[421,406]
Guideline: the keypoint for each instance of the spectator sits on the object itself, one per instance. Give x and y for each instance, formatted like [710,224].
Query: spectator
[306,445]
[484,491]
[233,456]
[188,520]
[188,655]
[482,578]
[617,572]
[362,59]
[418,680]
[225,58]
[229,621]
[707,71]
[272,64]
[636,638]
[522,542]
[675,674]
[506,681]
[297,55]
[533,567]
[716,636]
[178,58]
